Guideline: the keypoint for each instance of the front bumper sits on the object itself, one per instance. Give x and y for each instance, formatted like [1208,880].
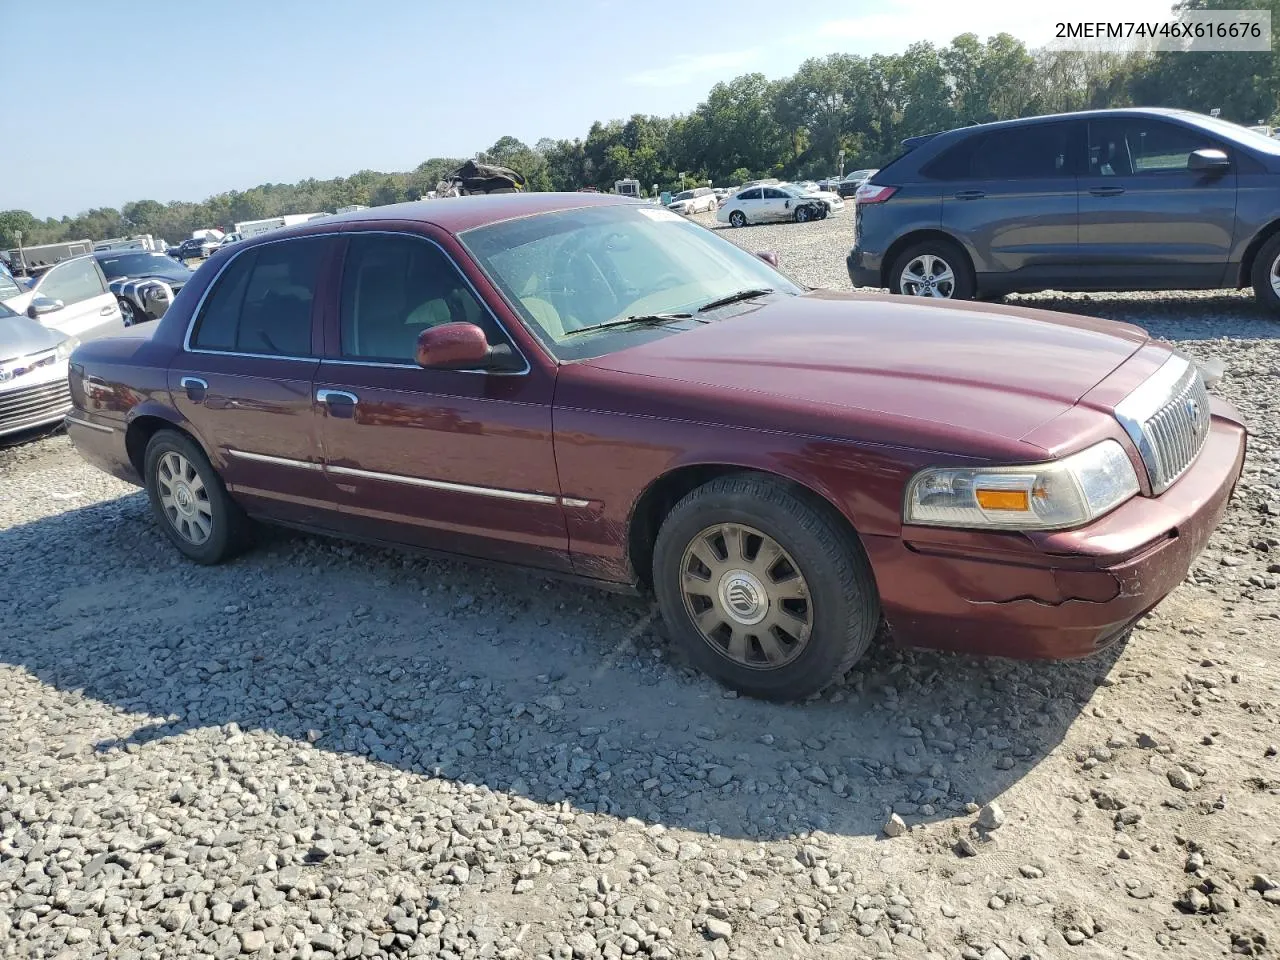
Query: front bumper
[35,400]
[1060,594]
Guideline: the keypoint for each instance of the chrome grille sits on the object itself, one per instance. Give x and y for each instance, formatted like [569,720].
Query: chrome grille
[32,406]
[1168,419]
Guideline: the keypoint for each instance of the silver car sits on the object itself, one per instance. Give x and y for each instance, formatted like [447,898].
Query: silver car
[33,373]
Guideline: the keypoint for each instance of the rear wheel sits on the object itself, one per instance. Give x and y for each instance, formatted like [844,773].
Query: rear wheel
[1266,275]
[190,501]
[932,268]
[738,218]
[766,591]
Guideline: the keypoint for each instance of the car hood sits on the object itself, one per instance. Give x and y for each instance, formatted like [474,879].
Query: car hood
[21,336]
[974,369]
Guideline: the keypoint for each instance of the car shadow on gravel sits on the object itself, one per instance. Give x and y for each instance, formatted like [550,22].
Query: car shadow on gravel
[503,680]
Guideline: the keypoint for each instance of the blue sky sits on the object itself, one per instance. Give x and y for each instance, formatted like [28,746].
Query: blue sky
[181,99]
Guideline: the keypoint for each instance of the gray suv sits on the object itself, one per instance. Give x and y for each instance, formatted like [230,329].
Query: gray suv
[1139,199]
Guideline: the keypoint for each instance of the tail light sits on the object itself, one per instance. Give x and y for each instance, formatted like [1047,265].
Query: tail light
[873,193]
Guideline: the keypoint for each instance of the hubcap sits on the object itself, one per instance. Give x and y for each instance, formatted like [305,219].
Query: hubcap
[928,276]
[746,596]
[184,499]
[1275,276]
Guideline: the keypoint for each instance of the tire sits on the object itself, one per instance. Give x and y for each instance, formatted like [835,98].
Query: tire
[835,597]
[803,214]
[738,218]
[923,259]
[128,311]
[199,488]
[1266,275]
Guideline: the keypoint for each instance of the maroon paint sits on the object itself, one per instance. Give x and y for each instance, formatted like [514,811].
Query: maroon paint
[846,395]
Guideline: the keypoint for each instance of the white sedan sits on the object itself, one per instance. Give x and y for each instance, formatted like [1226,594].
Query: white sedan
[775,202]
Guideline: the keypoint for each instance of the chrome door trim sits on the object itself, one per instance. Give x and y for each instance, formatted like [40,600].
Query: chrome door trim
[445,485]
[278,461]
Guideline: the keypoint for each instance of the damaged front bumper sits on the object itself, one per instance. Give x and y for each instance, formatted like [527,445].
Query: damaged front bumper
[1060,594]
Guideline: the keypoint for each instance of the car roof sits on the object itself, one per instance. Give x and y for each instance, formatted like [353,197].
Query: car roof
[1077,115]
[457,214]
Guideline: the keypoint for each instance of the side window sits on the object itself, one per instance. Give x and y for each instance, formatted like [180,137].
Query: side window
[73,282]
[1137,145]
[753,194]
[1039,151]
[262,301]
[8,286]
[771,194]
[954,163]
[393,288]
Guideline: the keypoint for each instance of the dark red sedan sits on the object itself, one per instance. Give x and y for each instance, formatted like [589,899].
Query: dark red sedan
[601,389]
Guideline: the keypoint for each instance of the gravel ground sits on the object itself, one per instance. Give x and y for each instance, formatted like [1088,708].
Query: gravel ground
[323,750]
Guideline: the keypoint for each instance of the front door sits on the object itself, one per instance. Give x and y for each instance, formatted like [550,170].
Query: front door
[777,204]
[1146,220]
[1011,194]
[245,378]
[88,307]
[459,461]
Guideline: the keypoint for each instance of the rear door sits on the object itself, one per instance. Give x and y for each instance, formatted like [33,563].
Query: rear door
[244,380]
[1146,220]
[1010,195]
[89,309]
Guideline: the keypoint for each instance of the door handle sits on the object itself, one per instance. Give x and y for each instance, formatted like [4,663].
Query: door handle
[971,194]
[1106,191]
[195,388]
[338,396]
[108,310]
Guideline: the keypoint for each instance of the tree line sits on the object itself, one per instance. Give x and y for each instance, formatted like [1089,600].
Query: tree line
[748,127]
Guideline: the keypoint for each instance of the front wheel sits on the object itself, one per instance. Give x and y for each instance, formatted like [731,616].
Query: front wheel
[803,214]
[1266,275]
[128,311]
[765,590]
[190,501]
[933,268]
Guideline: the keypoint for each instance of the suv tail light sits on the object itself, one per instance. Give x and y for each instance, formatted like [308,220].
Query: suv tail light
[873,193]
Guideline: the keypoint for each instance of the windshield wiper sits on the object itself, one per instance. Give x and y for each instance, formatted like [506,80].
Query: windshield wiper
[642,319]
[735,297]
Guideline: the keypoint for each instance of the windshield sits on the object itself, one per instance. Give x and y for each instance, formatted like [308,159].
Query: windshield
[576,268]
[142,265]
[686,195]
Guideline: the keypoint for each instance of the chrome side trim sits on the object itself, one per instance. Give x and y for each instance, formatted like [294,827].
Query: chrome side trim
[574,502]
[446,485]
[92,426]
[279,461]
[199,307]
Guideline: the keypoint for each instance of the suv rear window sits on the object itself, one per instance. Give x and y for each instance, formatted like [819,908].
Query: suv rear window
[1031,152]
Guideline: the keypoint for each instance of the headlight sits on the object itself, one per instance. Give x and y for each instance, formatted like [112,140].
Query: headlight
[1047,496]
[66,347]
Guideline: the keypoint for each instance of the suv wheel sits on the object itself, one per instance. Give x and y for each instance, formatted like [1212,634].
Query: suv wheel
[1266,275]
[933,268]
[765,592]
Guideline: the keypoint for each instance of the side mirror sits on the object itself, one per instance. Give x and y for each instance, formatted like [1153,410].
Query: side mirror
[42,305]
[461,346]
[769,257]
[1208,161]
